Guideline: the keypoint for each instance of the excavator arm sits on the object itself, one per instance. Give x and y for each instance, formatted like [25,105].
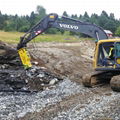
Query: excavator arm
[65,23]
[54,21]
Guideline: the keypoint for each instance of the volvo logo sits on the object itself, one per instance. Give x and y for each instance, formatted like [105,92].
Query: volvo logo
[68,26]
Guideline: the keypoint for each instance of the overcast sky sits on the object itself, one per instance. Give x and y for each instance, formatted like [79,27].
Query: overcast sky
[23,7]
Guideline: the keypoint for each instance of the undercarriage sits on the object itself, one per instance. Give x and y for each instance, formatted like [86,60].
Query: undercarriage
[102,77]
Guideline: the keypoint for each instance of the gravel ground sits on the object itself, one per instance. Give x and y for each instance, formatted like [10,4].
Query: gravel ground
[96,107]
[94,103]
[67,100]
[18,104]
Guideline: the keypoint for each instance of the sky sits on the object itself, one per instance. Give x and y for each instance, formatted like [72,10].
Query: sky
[24,7]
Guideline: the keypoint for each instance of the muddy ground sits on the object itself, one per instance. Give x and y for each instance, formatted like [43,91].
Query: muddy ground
[68,99]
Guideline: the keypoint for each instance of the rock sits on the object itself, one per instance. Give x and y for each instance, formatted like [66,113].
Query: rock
[33,70]
[42,84]
[14,77]
[53,81]
[41,75]
[35,63]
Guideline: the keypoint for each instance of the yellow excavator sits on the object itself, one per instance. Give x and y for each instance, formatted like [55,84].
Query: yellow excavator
[107,52]
[106,64]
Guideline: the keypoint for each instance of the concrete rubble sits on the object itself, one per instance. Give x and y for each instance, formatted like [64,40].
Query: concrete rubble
[13,77]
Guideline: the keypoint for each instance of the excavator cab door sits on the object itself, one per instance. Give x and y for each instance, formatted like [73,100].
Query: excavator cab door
[117,54]
[106,61]
[103,55]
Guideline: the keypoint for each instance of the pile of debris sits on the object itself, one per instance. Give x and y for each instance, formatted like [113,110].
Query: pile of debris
[13,77]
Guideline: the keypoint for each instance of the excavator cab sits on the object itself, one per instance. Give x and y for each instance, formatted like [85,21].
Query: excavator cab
[107,55]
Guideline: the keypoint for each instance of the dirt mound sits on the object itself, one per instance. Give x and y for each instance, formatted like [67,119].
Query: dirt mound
[67,59]
[8,55]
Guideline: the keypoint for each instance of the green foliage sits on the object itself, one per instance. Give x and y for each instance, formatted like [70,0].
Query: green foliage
[32,19]
[117,32]
[24,28]
[110,25]
[40,13]
[103,19]
[1,21]
[94,19]
[65,14]
[86,17]
[74,16]
[51,31]
[24,23]
[8,27]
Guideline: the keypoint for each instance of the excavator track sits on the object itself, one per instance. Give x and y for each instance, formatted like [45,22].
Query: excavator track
[115,83]
[93,79]
[98,78]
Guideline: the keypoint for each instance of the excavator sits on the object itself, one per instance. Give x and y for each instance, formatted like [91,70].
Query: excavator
[106,68]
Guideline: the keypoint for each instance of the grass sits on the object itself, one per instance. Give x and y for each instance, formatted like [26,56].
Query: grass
[14,37]
[10,37]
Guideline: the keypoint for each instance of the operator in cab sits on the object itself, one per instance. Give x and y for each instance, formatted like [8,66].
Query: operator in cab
[111,54]
[109,59]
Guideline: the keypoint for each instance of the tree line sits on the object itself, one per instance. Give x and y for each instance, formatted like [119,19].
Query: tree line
[24,23]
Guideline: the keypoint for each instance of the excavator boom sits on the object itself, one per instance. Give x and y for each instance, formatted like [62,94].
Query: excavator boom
[54,21]
[65,23]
